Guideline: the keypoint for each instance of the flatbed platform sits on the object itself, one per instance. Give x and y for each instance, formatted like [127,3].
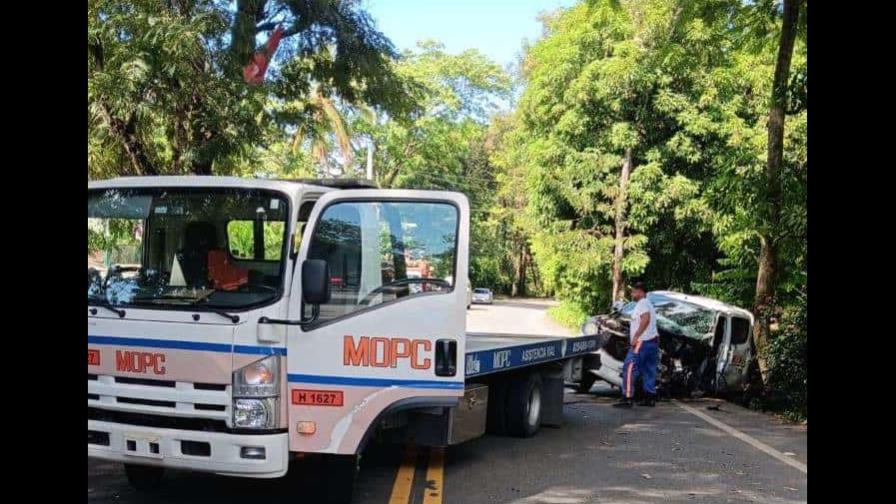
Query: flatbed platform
[489,353]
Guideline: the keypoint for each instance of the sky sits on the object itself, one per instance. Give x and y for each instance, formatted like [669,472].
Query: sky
[495,27]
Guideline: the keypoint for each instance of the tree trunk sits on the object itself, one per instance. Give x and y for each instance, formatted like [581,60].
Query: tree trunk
[519,275]
[126,131]
[768,271]
[242,33]
[618,290]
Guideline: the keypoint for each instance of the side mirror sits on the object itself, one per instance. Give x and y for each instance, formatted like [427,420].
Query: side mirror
[315,282]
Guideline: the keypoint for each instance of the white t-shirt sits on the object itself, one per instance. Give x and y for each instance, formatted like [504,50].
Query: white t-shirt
[643,306]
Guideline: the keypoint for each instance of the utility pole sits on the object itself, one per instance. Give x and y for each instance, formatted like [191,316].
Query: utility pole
[370,160]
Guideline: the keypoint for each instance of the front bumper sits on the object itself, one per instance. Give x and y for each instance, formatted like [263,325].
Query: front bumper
[165,448]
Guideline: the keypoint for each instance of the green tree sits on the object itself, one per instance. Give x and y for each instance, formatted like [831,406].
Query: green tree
[772,205]
[605,168]
[445,143]
[165,86]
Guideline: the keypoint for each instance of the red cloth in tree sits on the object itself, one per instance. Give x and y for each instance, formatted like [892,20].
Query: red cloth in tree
[253,73]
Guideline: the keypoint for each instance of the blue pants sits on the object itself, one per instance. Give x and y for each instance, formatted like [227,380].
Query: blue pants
[641,364]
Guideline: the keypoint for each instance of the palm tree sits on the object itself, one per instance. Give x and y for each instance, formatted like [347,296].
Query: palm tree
[325,120]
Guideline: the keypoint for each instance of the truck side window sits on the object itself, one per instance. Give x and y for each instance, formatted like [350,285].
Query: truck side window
[740,330]
[379,252]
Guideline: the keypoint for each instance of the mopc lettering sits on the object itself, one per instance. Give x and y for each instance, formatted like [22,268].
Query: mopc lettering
[139,362]
[386,352]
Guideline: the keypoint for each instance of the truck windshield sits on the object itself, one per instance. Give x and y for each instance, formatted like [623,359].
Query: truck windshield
[185,247]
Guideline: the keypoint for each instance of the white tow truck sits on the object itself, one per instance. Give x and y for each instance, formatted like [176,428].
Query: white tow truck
[272,318]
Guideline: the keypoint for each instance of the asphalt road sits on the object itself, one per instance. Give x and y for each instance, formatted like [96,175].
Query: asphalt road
[697,451]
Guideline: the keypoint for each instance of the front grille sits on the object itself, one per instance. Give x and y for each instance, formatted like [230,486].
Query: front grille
[147,402]
[159,421]
[142,395]
[210,407]
[144,381]
[98,438]
[209,386]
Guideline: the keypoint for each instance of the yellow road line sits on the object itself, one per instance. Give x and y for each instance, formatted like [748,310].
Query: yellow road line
[432,494]
[404,480]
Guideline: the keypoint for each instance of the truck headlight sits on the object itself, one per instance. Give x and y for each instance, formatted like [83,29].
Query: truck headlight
[259,379]
[256,394]
[256,413]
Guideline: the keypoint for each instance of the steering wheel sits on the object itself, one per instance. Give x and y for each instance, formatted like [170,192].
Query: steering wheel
[404,281]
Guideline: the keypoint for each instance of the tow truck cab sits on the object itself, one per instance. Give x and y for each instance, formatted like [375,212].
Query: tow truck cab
[233,322]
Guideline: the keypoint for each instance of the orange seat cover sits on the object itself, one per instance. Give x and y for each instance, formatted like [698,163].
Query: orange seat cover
[225,276]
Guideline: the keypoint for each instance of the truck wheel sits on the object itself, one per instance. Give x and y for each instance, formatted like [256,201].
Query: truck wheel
[497,400]
[144,478]
[340,473]
[524,406]
[586,383]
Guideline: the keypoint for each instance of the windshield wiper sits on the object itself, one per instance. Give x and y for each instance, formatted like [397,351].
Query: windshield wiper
[117,311]
[233,318]
[222,313]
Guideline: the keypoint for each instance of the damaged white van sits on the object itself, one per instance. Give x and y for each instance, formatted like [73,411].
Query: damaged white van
[705,344]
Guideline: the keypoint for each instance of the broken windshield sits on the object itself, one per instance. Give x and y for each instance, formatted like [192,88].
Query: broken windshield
[185,247]
[678,317]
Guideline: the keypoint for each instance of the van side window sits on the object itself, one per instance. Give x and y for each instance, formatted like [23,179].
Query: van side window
[740,330]
[379,252]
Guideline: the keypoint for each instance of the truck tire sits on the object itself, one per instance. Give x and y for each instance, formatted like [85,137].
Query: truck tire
[144,478]
[523,415]
[340,472]
[497,401]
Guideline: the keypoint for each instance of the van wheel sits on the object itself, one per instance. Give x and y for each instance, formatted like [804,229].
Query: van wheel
[144,478]
[524,406]
[340,473]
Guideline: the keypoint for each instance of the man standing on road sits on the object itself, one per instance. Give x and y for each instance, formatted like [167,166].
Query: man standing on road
[643,355]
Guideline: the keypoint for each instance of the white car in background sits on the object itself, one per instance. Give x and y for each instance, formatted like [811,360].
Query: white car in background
[482,295]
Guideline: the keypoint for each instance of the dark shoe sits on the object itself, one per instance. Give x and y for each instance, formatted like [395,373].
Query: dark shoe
[623,403]
[649,400]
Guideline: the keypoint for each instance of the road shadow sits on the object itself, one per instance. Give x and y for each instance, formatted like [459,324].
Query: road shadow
[302,484]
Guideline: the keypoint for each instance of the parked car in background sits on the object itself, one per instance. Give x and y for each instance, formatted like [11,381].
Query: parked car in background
[482,295]
[705,344]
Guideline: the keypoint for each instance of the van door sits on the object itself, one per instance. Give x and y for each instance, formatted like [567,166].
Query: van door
[738,352]
[392,334]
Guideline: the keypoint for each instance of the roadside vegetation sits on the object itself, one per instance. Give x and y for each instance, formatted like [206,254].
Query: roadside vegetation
[656,138]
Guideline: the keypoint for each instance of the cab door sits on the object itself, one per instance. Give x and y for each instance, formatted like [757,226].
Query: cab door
[391,335]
